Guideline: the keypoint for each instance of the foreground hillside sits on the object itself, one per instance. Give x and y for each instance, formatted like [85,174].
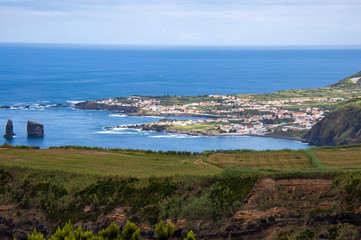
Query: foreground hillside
[341,127]
[257,195]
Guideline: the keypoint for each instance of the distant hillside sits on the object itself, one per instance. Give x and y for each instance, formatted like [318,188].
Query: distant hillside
[347,87]
[352,82]
[340,127]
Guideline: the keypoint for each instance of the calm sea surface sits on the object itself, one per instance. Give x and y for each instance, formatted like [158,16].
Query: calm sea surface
[41,74]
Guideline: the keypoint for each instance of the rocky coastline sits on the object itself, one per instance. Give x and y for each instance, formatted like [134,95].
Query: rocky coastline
[146,127]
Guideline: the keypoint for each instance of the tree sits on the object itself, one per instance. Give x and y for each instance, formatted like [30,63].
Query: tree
[64,234]
[190,236]
[130,232]
[36,236]
[80,235]
[110,233]
[163,233]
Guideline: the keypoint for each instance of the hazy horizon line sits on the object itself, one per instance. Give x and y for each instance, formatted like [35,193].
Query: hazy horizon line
[184,46]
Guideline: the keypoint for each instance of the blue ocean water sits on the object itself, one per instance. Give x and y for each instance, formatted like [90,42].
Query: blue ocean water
[45,74]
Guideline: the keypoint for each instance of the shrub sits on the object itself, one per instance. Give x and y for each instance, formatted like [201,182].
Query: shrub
[190,236]
[343,231]
[163,233]
[197,208]
[80,235]
[36,236]
[282,235]
[63,234]
[110,233]
[315,161]
[130,232]
[305,234]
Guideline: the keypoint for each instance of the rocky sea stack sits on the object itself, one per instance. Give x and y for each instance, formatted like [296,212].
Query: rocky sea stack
[35,129]
[9,132]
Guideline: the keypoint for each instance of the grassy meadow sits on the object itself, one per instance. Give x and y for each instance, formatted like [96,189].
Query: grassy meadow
[102,162]
[340,158]
[273,160]
[145,164]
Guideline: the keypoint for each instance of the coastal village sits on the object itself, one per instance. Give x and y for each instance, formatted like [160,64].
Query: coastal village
[230,114]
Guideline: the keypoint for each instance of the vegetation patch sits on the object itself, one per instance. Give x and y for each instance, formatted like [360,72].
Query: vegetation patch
[340,157]
[274,160]
[101,162]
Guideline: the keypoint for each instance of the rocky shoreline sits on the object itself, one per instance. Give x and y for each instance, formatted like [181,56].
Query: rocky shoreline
[146,127]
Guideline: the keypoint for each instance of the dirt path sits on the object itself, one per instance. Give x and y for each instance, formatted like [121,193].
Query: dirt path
[200,162]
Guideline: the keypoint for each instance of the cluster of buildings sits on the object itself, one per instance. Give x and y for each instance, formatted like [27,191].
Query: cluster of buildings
[235,114]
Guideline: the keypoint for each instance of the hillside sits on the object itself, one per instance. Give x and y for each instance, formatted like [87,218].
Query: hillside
[257,195]
[340,127]
[347,87]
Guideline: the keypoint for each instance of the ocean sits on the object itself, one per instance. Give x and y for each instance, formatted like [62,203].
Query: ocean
[42,75]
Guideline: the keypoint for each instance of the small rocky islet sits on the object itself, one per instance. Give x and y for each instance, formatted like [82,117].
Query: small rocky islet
[34,129]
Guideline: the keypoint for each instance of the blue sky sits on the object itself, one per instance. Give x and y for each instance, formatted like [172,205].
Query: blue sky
[182,22]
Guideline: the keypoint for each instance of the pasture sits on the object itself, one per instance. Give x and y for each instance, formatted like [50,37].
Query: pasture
[340,157]
[283,160]
[102,162]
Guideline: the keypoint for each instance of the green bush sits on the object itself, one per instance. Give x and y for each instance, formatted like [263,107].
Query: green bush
[197,208]
[36,236]
[305,234]
[343,231]
[110,233]
[282,235]
[64,234]
[315,161]
[130,232]
[190,236]
[163,233]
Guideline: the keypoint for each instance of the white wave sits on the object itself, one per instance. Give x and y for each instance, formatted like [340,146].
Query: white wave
[16,107]
[51,105]
[137,130]
[118,115]
[73,102]
[111,132]
[174,136]
[154,117]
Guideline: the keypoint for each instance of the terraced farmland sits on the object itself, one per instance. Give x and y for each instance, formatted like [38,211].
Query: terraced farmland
[274,160]
[341,158]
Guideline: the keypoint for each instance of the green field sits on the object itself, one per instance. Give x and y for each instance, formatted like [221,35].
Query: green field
[144,164]
[340,158]
[105,162]
[206,127]
[274,160]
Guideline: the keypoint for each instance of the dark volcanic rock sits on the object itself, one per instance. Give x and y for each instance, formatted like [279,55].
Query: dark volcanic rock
[35,129]
[9,133]
[93,105]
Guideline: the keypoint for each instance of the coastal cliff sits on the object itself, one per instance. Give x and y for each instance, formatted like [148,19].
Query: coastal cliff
[340,127]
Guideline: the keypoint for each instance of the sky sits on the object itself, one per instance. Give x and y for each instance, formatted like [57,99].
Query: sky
[182,22]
